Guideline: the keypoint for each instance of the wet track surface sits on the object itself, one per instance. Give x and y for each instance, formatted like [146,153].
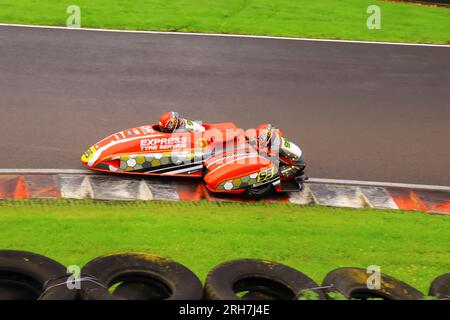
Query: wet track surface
[359,111]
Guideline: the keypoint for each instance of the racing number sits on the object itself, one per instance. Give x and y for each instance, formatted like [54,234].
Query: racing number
[265,175]
[189,125]
[88,153]
[287,144]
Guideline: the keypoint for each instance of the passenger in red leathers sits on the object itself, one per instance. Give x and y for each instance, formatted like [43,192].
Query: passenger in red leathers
[171,121]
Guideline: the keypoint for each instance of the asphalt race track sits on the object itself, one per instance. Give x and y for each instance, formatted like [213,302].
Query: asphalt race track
[359,111]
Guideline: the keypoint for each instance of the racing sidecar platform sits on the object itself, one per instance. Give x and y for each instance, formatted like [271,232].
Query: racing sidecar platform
[220,155]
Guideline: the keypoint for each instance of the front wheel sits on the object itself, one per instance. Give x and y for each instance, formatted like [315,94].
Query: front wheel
[258,192]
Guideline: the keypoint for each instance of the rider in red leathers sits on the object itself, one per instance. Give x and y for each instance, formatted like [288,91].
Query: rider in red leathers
[270,141]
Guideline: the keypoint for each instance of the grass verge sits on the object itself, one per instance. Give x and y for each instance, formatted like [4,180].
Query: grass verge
[403,22]
[410,246]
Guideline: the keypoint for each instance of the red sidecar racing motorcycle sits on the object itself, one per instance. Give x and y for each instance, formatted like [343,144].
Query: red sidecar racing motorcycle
[221,155]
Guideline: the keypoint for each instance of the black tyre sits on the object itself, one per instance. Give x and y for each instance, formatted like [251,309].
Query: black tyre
[259,192]
[165,278]
[139,289]
[23,276]
[352,283]
[255,295]
[250,279]
[440,287]
[12,290]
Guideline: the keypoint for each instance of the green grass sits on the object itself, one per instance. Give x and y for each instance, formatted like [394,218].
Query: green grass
[413,247]
[346,19]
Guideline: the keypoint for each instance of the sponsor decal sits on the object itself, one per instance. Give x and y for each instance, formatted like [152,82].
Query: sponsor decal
[147,130]
[163,143]
[235,155]
[201,143]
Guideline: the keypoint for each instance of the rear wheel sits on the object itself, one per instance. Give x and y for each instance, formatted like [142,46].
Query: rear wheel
[259,192]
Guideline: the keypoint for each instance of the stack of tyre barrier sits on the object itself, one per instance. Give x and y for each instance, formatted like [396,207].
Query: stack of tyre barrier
[141,276]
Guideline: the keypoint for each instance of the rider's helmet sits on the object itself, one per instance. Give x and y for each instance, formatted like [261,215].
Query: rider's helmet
[266,132]
[169,121]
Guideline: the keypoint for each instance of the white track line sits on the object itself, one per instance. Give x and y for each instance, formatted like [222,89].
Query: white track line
[46,171]
[379,184]
[311,180]
[226,35]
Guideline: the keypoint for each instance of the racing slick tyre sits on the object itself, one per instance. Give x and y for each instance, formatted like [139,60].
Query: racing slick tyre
[353,284]
[29,276]
[167,279]
[440,287]
[250,279]
[259,192]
